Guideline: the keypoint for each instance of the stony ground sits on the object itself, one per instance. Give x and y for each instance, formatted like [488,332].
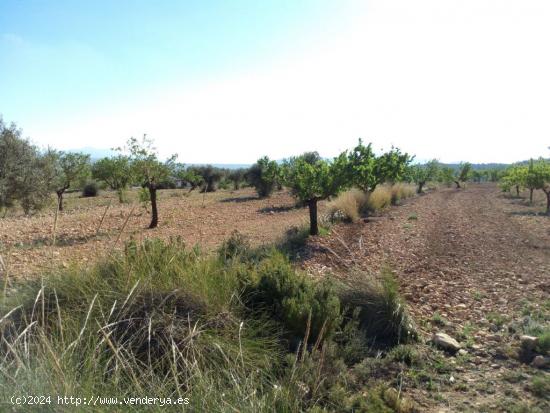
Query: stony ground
[473,263]
[206,220]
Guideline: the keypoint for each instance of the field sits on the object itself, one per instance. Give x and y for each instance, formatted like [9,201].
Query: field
[203,219]
[473,263]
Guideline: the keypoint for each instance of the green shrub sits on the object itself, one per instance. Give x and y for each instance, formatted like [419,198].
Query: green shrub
[296,300]
[543,345]
[90,189]
[264,176]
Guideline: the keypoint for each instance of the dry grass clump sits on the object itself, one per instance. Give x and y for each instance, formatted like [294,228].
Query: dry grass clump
[401,191]
[383,313]
[379,199]
[347,206]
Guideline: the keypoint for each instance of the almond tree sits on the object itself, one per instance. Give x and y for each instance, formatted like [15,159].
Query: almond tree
[149,170]
[312,181]
[462,174]
[65,170]
[421,174]
[540,179]
[366,171]
[115,172]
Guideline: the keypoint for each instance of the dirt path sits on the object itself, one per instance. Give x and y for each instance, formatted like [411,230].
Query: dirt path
[470,262]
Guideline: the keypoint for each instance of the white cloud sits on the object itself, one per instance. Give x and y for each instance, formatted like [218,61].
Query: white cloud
[456,80]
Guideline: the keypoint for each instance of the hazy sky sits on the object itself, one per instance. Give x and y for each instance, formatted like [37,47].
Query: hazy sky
[229,81]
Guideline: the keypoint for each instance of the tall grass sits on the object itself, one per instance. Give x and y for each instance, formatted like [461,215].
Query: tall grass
[234,332]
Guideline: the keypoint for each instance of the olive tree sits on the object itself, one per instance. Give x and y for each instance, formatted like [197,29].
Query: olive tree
[22,171]
[115,172]
[462,174]
[149,170]
[263,176]
[65,170]
[311,182]
[540,179]
[420,174]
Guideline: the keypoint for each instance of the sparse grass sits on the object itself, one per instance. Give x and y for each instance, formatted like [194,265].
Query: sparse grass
[540,386]
[438,319]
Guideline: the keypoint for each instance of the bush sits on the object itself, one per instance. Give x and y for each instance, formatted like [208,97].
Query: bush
[381,310]
[379,199]
[295,300]
[400,191]
[263,176]
[344,208]
[90,189]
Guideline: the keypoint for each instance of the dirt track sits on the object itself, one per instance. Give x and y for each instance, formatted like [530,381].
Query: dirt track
[474,257]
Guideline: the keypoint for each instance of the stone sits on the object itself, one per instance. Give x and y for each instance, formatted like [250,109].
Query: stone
[462,352]
[541,362]
[529,342]
[445,342]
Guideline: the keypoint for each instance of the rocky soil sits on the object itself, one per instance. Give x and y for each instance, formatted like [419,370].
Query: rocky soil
[472,263]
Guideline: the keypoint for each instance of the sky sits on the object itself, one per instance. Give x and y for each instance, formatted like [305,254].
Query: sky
[231,81]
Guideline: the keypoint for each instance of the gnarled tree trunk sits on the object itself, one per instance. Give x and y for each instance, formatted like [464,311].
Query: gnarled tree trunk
[457,184]
[60,199]
[313,226]
[547,192]
[154,211]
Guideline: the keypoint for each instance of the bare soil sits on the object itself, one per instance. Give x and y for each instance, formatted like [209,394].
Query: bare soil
[471,262]
[203,219]
[475,258]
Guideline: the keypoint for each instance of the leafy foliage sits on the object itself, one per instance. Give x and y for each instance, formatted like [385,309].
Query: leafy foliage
[115,171]
[23,176]
[311,182]
[421,174]
[263,176]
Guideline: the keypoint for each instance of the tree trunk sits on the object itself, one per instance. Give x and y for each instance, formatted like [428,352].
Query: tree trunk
[420,186]
[517,191]
[457,184]
[313,227]
[154,210]
[530,195]
[60,200]
[547,201]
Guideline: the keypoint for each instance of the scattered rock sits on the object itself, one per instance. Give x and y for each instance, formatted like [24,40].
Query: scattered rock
[445,342]
[541,362]
[462,352]
[529,342]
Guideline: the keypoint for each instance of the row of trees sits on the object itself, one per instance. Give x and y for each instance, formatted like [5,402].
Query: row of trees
[532,176]
[312,178]
[28,176]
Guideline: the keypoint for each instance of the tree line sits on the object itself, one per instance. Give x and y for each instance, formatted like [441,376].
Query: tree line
[29,176]
[535,175]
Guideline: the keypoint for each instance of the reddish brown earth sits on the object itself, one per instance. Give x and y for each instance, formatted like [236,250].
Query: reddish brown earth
[473,256]
[471,262]
[26,242]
